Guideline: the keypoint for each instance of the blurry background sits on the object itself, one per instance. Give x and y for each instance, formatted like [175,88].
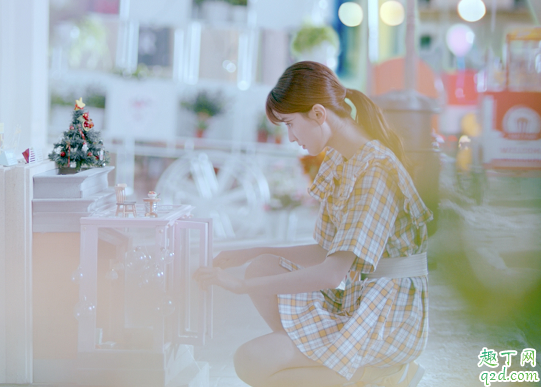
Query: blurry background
[166,78]
[178,87]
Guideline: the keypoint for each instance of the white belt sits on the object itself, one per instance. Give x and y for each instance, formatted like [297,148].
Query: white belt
[403,267]
[412,266]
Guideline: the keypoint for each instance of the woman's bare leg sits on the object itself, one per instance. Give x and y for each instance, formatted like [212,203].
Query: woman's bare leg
[273,360]
[267,306]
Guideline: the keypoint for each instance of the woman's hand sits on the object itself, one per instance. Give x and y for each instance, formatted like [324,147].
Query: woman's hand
[231,258]
[216,276]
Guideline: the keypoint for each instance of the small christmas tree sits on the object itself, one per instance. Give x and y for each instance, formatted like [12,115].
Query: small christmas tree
[80,144]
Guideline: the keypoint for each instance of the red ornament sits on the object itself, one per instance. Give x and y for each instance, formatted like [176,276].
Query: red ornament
[97,157]
[71,127]
[62,154]
[88,124]
[89,153]
[85,116]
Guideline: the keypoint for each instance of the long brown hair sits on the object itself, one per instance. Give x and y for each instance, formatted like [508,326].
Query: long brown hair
[305,84]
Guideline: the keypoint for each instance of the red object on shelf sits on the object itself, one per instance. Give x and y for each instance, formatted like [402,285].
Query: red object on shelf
[26,155]
[389,76]
[461,88]
[104,6]
[262,136]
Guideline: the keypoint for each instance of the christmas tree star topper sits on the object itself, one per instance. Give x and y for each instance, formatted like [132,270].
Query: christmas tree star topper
[79,104]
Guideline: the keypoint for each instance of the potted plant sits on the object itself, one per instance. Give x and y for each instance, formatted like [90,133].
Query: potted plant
[316,43]
[205,106]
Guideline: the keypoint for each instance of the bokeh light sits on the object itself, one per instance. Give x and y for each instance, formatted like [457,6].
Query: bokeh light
[392,13]
[471,10]
[351,14]
[460,39]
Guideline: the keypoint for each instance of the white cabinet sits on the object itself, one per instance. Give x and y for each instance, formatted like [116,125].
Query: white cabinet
[139,312]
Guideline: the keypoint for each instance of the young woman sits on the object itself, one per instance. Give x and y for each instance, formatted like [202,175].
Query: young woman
[353,308]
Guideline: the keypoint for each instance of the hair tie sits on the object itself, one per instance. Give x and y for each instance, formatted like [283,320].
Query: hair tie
[346,99]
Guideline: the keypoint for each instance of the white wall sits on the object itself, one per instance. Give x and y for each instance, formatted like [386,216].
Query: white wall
[24,41]
[16,338]
[24,30]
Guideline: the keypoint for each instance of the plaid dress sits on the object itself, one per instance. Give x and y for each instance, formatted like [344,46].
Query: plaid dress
[370,207]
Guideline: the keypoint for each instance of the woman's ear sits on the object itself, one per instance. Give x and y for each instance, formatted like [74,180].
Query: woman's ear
[318,113]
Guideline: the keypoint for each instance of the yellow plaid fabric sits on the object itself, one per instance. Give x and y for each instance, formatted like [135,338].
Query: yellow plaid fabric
[370,207]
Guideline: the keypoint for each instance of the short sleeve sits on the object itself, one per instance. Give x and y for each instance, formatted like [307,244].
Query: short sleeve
[325,229]
[368,218]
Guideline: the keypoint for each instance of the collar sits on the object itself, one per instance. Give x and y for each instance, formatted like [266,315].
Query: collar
[336,169]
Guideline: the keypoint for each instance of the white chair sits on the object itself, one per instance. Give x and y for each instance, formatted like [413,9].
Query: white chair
[122,206]
[229,188]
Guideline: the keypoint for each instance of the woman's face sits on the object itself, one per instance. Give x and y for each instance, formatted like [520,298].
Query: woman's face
[306,131]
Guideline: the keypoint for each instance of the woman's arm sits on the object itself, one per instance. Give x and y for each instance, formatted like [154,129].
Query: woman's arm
[305,255]
[325,275]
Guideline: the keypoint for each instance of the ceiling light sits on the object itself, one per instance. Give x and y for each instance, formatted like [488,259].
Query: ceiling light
[392,13]
[351,14]
[471,10]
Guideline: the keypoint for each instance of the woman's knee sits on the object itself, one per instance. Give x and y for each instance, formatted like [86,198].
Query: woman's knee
[248,364]
[259,358]
[264,265]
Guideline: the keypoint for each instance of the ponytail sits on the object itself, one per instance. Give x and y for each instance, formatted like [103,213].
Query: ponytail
[370,117]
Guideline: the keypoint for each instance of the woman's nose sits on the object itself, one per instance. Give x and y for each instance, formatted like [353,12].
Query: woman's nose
[290,136]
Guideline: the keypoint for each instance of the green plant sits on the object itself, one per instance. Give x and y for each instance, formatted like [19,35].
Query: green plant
[199,2]
[57,99]
[94,97]
[310,36]
[141,72]
[95,100]
[205,103]
[238,2]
